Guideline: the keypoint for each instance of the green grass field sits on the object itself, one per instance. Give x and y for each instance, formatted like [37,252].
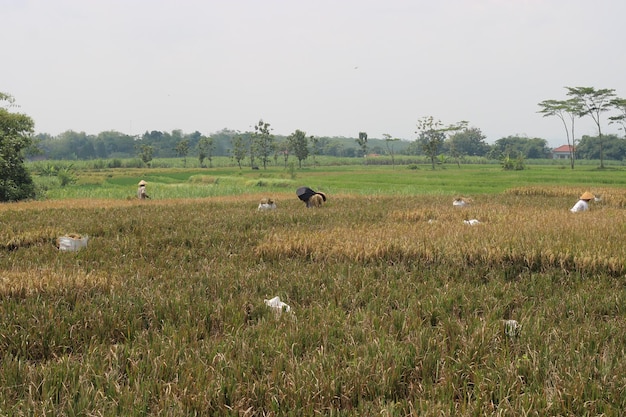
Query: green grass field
[397,306]
[340,179]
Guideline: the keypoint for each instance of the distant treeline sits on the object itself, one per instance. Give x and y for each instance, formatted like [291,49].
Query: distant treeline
[71,145]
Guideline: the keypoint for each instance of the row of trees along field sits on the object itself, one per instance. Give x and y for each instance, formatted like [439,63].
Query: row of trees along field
[434,139]
[589,102]
[470,141]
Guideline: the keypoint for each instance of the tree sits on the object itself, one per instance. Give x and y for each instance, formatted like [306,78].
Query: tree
[335,148]
[283,148]
[116,144]
[470,141]
[594,103]
[239,150]
[431,136]
[263,141]
[182,150]
[564,110]
[205,150]
[613,147]
[315,147]
[455,153]
[389,142]
[299,145]
[432,133]
[619,104]
[516,146]
[362,142]
[16,131]
[145,153]
[72,145]
[252,150]
[537,148]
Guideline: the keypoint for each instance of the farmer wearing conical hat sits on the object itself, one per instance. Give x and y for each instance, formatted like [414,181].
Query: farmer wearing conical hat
[583,202]
[141,191]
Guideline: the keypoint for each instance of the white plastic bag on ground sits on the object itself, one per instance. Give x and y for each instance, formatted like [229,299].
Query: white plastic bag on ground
[278,305]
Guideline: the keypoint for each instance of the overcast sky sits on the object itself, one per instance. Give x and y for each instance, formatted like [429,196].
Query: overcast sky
[328,67]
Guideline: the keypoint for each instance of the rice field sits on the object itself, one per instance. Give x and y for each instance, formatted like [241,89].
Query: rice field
[397,306]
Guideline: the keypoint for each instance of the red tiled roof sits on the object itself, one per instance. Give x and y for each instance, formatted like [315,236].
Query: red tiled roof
[563,148]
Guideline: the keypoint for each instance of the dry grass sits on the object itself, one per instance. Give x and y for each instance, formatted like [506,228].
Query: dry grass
[537,238]
[398,307]
[38,280]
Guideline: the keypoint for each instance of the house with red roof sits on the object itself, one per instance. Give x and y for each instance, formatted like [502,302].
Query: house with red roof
[562,152]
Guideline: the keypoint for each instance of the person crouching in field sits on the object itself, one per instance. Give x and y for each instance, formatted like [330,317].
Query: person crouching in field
[311,198]
[460,202]
[583,202]
[316,200]
[141,191]
[266,204]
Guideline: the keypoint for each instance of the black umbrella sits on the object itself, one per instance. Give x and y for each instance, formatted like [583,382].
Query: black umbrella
[304,193]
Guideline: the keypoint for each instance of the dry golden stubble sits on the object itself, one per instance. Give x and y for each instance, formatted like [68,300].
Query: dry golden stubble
[29,282]
[10,240]
[532,237]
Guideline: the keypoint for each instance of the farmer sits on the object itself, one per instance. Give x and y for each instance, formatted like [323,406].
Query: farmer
[460,202]
[310,198]
[266,204]
[141,191]
[583,202]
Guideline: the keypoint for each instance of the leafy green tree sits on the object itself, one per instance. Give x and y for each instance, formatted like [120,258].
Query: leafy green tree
[469,141]
[389,142]
[182,150]
[239,149]
[510,146]
[300,145]
[619,104]
[537,148]
[322,145]
[315,147]
[566,111]
[117,144]
[146,153]
[101,149]
[222,141]
[613,147]
[594,103]
[70,145]
[16,131]
[206,147]
[80,144]
[282,149]
[517,146]
[362,142]
[335,148]
[263,141]
[432,134]
[174,138]
[193,138]
[252,150]
[455,153]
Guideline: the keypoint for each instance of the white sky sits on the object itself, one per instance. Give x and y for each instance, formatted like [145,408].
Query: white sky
[328,67]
